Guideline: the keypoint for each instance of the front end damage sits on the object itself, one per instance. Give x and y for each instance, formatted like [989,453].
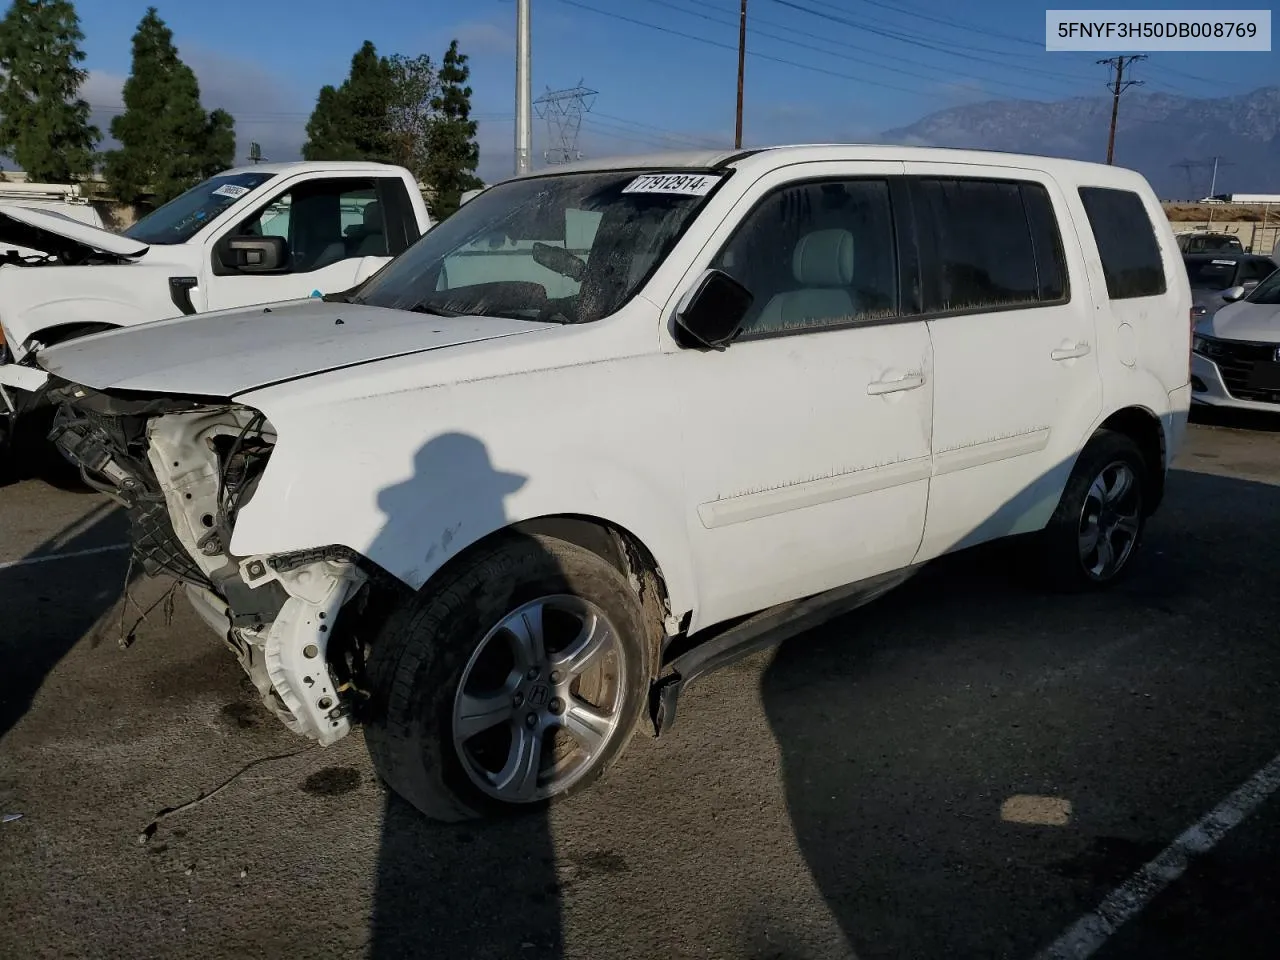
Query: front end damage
[183,468]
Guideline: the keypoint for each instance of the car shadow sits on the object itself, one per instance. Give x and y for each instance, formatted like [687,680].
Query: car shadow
[952,799]
[41,626]
[1258,420]
[484,890]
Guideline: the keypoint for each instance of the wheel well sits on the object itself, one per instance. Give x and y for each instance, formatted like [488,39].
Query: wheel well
[622,549]
[70,331]
[1143,428]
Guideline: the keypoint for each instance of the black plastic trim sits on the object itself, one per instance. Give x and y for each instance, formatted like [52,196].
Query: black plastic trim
[180,293]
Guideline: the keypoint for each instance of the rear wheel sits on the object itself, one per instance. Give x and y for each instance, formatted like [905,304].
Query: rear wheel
[1094,533]
[515,682]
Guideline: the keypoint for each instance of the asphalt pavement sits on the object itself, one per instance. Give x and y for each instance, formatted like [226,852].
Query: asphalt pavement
[966,768]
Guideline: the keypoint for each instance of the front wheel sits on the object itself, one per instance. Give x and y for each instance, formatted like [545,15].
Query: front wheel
[1095,531]
[515,681]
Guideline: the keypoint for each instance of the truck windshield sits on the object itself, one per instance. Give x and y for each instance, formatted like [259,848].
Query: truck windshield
[1211,274]
[567,248]
[187,214]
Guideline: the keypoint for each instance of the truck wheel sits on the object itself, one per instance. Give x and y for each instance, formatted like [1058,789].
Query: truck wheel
[1090,540]
[514,682]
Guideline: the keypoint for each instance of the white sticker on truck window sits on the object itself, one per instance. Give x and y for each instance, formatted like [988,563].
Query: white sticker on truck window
[1224,263]
[680,184]
[232,190]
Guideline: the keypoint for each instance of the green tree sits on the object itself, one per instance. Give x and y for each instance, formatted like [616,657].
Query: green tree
[409,120]
[44,125]
[167,141]
[452,153]
[352,122]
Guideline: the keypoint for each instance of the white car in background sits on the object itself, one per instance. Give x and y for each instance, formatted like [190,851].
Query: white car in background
[1235,358]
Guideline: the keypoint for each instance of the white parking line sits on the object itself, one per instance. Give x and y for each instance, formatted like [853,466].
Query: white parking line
[26,561]
[1091,931]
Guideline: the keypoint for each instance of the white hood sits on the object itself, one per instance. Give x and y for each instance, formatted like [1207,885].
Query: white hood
[1259,322]
[55,233]
[233,351]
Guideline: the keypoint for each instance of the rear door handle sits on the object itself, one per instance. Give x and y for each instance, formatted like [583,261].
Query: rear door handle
[909,382]
[1070,353]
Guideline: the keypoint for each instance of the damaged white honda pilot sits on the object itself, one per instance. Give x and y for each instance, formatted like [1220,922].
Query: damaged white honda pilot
[608,427]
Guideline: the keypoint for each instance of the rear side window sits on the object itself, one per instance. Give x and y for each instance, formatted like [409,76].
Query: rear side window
[1126,242]
[990,245]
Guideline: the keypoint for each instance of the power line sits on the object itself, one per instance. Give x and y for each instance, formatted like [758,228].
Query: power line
[750,53]
[842,54]
[563,111]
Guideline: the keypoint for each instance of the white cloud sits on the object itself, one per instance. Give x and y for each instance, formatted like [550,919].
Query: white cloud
[478,37]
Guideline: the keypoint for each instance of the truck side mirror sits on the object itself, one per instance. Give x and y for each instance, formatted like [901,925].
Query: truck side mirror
[254,254]
[713,312]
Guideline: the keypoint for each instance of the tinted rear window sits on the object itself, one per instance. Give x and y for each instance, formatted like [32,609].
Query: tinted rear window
[1126,242]
[991,244]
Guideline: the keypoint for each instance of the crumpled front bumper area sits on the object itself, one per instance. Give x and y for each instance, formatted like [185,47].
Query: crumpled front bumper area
[182,468]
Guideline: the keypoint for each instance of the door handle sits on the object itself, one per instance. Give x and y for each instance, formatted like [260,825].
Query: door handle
[880,387]
[1070,353]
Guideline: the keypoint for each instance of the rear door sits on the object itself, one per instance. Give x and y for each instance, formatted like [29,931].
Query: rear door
[1016,378]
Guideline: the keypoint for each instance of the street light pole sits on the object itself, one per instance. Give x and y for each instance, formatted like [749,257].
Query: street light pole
[524,89]
[742,63]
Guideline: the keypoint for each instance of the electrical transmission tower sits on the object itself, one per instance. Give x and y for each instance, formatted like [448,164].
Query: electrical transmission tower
[1118,85]
[563,111]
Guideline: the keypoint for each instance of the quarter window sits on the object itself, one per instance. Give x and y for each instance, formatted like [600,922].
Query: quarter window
[1126,242]
[816,255]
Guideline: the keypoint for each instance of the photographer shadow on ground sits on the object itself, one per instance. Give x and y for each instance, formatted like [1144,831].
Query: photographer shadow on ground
[480,888]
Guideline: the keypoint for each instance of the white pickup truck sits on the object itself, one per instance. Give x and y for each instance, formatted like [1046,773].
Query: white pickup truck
[258,234]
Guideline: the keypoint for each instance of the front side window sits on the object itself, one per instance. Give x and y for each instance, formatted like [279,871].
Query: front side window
[1268,291]
[1126,242]
[323,222]
[816,255]
[570,248]
[187,214]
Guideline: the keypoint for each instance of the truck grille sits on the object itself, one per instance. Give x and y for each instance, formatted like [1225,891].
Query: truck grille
[1235,359]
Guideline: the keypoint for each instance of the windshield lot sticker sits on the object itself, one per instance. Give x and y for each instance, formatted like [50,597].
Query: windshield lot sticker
[681,184]
[232,190]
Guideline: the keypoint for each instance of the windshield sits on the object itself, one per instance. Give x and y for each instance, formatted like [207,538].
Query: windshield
[187,214]
[563,249]
[1211,274]
[1268,291]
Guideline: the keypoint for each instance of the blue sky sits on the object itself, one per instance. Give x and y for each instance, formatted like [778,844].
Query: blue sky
[856,67]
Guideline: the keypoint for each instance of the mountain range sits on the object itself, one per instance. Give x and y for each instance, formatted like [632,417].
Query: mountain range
[1156,132]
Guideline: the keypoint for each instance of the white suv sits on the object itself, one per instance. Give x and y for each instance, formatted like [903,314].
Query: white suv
[608,426]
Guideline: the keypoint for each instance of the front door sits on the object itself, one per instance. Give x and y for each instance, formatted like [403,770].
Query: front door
[335,233]
[806,447]
[1017,386]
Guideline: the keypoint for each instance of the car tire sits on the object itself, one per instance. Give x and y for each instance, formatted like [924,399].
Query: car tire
[1096,530]
[443,665]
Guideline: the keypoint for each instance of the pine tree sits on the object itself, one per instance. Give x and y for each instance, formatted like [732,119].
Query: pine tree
[352,122]
[44,125]
[452,153]
[168,142]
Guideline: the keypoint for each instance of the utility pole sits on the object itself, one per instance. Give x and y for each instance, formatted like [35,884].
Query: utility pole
[1118,87]
[742,65]
[524,89]
[255,154]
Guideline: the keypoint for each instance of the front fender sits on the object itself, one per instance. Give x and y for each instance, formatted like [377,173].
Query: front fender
[410,501]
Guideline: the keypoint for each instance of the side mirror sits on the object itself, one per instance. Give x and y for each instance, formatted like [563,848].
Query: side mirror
[711,316]
[1232,294]
[254,254]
